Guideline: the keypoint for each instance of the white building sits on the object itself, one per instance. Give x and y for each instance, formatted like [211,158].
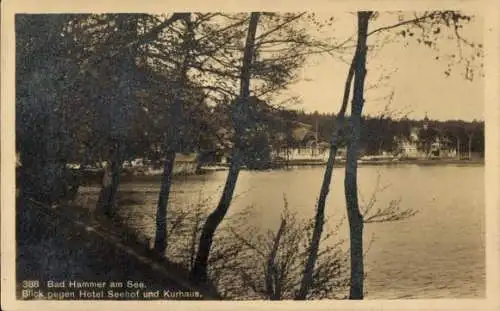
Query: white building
[413,147]
[307,147]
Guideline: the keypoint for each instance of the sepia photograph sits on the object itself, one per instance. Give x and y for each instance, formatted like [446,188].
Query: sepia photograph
[248,155]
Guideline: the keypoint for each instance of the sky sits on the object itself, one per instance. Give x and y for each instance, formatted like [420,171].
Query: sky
[416,78]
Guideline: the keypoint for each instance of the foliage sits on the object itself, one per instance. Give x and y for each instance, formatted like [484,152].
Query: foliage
[240,264]
[271,261]
[45,79]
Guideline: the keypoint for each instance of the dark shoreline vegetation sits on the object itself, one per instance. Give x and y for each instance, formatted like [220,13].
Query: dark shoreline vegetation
[102,99]
[83,246]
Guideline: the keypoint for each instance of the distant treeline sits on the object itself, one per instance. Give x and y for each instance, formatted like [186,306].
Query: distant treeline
[379,133]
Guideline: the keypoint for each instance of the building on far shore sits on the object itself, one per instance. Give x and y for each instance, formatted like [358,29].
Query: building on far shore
[185,164]
[305,145]
[418,146]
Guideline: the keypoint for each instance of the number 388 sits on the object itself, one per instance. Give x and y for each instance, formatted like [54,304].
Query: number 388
[31,284]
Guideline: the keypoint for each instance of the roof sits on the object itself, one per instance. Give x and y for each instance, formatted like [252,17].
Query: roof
[302,133]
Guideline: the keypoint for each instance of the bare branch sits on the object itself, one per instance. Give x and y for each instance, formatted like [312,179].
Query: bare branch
[267,33]
[411,21]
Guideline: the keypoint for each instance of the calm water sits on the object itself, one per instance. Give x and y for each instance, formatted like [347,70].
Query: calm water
[439,253]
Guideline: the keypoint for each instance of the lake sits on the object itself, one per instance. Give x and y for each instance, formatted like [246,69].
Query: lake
[438,253]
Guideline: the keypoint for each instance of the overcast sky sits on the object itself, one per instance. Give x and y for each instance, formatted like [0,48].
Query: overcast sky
[416,77]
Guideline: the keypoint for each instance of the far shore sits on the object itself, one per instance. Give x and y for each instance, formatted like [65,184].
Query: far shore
[361,163]
[204,169]
[389,162]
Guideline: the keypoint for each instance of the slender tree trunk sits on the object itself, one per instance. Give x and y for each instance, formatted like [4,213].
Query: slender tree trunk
[106,203]
[325,188]
[171,145]
[200,270]
[161,211]
[350,182]
[272,282]
[194,237]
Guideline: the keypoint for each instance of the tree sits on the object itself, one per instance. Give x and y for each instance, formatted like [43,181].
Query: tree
[427,136]
[355,216]
[199,272]
[307,278]
[172,139]
[211,61]
[45,76]
[121,103]
[275,54]
[350,182]
[358,65]
[113,64]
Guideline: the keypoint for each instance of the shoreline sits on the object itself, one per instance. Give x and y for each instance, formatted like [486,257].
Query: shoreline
[341,163]
[391,162]
[95,176]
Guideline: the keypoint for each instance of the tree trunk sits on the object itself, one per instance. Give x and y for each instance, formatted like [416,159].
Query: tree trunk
[161,211]
[272,282]
[106,204]
[171,146]
[325,188]
[200,270]
[350,182]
